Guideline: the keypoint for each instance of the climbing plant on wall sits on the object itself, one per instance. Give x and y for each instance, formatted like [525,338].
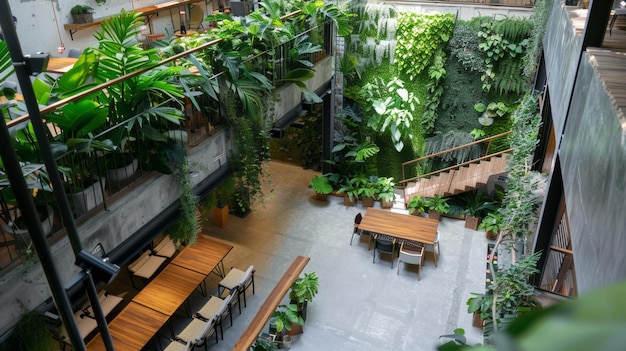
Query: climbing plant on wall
[419,37]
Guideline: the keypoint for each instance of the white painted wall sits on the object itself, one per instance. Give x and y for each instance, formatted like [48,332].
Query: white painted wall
[37,26]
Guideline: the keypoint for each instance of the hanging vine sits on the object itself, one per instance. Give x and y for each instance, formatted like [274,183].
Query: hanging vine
[187,227]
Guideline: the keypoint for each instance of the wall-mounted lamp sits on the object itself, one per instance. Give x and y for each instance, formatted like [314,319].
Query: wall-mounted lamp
[37,63]
[101,268]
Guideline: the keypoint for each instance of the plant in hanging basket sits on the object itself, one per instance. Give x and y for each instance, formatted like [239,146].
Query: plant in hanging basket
[82,14]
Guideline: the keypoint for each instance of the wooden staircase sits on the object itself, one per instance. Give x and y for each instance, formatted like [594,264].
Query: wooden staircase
[459,178]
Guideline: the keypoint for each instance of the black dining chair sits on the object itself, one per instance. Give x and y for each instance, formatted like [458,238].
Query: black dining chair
[356,231]
[385,244]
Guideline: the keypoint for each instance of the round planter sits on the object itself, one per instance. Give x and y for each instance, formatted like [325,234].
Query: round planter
[22,235]
[86,200]
[123,173]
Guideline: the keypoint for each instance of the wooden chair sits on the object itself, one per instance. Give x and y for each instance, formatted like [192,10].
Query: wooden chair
[217,309]
[197,332]
[177,345]
[411,253]
[145,266]
[165,248]
[237,279]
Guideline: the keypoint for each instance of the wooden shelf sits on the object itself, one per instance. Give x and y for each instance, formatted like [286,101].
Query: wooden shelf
[147,11]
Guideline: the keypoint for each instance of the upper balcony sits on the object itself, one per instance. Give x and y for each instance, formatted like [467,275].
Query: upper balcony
[115,124]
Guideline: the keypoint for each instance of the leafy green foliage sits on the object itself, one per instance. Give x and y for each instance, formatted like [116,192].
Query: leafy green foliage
[463,46]
[436,73]
[450,140]
[321,184]
[417,205]
[285,315]
[504,43]
[461,89]
[438,204]
[539,20]
[419,38]
[186,231]
[304,288]
[394,109]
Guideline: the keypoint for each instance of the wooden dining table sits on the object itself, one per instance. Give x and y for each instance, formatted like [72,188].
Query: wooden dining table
[168,290]
[60,64]
[400,226]
[205,256]
[132,328]
[153,306]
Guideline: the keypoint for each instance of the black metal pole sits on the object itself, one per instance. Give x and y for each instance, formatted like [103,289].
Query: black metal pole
[28,210]
[23,75]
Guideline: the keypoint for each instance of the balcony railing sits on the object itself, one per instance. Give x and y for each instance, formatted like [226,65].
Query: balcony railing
[96,177]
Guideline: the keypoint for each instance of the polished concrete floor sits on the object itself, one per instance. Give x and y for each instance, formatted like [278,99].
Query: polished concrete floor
[360,305]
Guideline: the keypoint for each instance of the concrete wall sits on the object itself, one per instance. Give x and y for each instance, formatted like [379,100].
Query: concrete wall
[289,96]
[561,52]
[26,287]
[593,162]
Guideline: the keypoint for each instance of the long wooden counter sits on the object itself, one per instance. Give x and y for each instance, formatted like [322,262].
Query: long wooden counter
[271,303]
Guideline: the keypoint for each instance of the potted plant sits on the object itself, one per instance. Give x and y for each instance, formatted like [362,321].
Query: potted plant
[476,204]
[321,185]
[492,223]
[285,319]
[224,193]
[82,14]
[349,191]
[437,206]
[385,189]
[264,343]
[366,189]
[120,166]
[303,291]
[417,205]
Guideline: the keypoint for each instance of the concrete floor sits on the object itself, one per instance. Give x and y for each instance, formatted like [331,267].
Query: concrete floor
[360,305]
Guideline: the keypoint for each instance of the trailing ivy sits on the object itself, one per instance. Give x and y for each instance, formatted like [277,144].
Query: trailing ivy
[436,73]
[186,229]
[539,20]
[419,38]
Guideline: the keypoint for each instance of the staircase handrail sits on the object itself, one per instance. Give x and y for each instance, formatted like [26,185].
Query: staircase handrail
[487,155]
[500,153]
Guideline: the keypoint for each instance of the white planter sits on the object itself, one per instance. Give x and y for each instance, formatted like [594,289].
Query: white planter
[89,198]
[22,235]
[123,173]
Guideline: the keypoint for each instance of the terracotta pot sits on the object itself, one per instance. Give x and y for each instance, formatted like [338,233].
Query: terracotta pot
[368,202]
[434,215]
[347,201]
[477,322]
[472,222]
[220,215]
[384,203]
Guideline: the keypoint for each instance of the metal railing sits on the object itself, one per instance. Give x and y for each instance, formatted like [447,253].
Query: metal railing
[427,162]
[108,174]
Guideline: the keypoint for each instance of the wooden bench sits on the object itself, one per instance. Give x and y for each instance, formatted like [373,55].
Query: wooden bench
[271,303]
[145,266]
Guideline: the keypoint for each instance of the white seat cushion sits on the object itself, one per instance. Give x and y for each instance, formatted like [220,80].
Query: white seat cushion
[212,308]
[232,279]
